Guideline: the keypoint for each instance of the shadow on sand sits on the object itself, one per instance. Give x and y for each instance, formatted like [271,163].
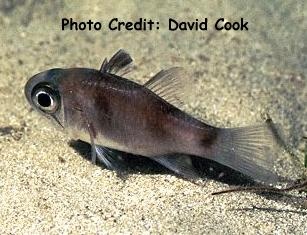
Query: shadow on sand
[207,169]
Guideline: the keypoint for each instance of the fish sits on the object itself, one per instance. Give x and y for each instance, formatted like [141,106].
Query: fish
[117,115]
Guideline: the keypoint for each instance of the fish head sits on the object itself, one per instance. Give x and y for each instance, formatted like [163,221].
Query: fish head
[42,93]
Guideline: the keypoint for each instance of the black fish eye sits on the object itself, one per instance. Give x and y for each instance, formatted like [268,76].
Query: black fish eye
[46,99]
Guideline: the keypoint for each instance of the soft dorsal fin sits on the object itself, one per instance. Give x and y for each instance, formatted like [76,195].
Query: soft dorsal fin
[119,64]
[172,85]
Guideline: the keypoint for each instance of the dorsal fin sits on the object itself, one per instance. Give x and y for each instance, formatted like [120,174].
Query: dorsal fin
[172,85]
[119,64]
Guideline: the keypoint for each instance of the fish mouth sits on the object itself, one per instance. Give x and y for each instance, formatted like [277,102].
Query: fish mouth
[57,121]
[28,90]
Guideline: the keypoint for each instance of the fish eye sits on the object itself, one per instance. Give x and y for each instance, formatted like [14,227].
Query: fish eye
[46,99]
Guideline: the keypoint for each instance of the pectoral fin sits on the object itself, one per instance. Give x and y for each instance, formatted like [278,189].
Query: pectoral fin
[180,164]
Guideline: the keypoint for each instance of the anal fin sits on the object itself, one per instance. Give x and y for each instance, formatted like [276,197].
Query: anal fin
[180,164]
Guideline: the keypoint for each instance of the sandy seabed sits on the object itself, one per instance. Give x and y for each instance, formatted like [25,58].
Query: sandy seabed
[47,184]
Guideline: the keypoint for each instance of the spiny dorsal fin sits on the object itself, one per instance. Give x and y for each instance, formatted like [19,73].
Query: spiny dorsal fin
[172,85]
[119,64]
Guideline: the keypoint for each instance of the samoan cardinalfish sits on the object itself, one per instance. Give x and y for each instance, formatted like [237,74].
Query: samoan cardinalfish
[116,115]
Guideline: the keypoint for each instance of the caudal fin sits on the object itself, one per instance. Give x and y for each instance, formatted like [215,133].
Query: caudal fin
[249,150]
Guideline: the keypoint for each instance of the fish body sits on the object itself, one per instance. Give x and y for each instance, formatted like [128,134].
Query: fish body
[114,113]
[127,116]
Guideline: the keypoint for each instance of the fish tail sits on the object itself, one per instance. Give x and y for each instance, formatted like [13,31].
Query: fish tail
[250,150]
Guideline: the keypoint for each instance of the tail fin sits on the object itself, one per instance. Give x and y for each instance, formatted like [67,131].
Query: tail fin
[249,150]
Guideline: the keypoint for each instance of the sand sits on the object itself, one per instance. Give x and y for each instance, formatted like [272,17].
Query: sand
[47,184]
